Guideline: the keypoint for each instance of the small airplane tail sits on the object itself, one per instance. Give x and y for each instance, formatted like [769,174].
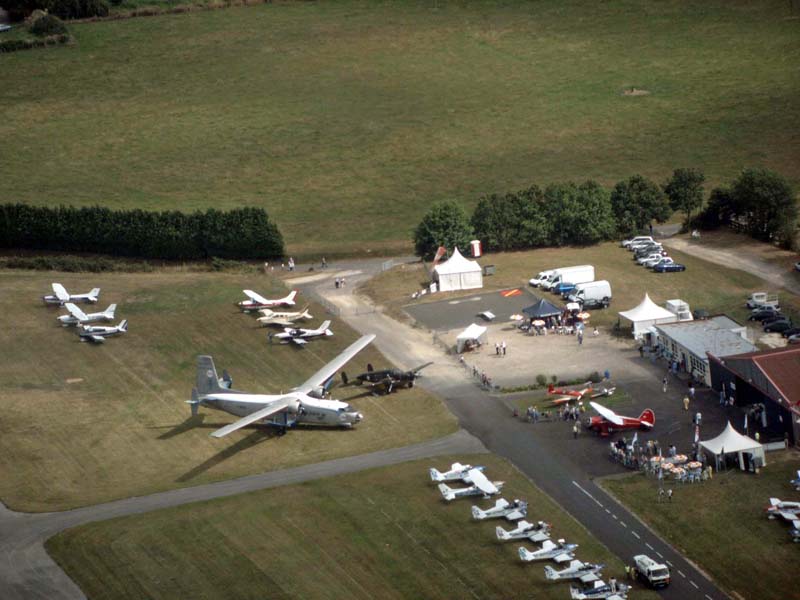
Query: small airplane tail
[93,295]
[478,514]
[436,474]
[501,534]
[290,298]
[525,554]
[550,573]
[123,326]
[194,402]
[648,417]
[206,380]
[446,492]
[109,312]
[324,327]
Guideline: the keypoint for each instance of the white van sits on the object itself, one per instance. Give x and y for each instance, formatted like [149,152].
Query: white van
[536,281]
[580,273]
[592,294]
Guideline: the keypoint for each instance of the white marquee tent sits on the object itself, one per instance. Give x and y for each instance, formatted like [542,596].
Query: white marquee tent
[731,441]
[458,273]
[474,333]
[647,314]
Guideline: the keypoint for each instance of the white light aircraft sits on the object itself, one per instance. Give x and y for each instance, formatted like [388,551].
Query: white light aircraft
[559,552]
[77,316]
[61,297]
[586,572]
[301,336]
[457,472]
[788,510]
[257,301]
[511,511]
[599,590]
[304,404]
[535,532]
[98,334]
[481,486]
[282,318]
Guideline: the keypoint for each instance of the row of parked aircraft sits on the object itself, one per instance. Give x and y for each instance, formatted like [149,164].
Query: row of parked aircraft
[77,317]
[787,510]
[283,318]
[588,574]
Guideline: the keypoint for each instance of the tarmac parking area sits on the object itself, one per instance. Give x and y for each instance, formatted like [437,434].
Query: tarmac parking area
[458,313]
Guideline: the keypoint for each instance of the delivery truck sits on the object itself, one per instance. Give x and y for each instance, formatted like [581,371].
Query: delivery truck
[570,276]
[595,294]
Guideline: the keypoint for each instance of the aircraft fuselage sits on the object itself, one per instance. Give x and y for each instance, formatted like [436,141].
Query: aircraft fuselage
[332,413]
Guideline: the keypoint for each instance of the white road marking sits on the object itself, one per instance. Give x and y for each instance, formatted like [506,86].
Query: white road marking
[608,511]
[659,554]
[670,564]
[694,584]
[595,500]
[649,546]
[709,597]
[615,517]
[636,534]
[681,573]
[623,524]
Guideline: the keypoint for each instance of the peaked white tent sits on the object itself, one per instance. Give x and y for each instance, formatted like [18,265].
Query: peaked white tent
[474,333]
[731,441]
[647,314]
[458,273]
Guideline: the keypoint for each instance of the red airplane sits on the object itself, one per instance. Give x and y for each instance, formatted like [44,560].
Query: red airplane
[570,395]
[608,422]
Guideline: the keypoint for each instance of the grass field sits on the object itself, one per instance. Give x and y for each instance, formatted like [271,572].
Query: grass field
[702,285]
[83,423]
[384,533]
[347,119]
[721,525]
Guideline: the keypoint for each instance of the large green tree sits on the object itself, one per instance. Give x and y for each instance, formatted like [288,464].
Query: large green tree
[446,224]
[579,214]
[511,222]
[636,202]
[765,203]
[685,191]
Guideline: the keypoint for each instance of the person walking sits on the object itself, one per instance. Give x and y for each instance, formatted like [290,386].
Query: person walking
[503,347]
[324,263]
[580,337]
[497,348]
[664,384]
[575,431]
[686,403]
[691,391]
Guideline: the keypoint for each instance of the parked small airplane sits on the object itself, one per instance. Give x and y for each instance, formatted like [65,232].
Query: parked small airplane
[457,472]
[586,572]
[559,552]
[788,510]
[502,509]
[303,404]
[568,395]
[480,485]
[77,316]
[535,532]
[796,482]
[61,297]
[599,590]
[98,334]
[282,318]
[301,336]
[387,380]
[608,422]
[257,301]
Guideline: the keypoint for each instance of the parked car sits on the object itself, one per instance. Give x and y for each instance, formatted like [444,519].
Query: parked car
[648,248]
[543,276]
[638,238]
[795,339]
[790,332]
[669,267]
[760,314]
[778,326]
[635,246]
[659,260]
[657,256]
[773,318]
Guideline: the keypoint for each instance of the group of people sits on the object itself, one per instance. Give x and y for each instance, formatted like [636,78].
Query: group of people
[339,282]
[500,348]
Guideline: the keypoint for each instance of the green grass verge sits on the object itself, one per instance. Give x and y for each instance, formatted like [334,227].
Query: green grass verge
[347,119]
[384,533]
[83,423]
[721,525]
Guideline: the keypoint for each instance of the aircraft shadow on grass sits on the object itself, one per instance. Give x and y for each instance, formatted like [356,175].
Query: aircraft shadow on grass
[256,437]
[189,424]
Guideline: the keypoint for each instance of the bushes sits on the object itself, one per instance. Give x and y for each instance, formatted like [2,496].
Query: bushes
[48,25]
[73,264]
[77,9]
[171,235]
[29,44]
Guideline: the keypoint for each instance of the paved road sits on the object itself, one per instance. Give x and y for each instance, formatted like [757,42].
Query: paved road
[545,463]
[28,573]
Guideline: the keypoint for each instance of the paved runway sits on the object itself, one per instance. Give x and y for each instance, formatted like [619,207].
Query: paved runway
[458,313]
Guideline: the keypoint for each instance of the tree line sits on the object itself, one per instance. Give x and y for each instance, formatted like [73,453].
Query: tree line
[170,235]
[587,213]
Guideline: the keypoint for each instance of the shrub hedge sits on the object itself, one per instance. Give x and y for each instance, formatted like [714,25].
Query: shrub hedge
[29,44]
[48,25]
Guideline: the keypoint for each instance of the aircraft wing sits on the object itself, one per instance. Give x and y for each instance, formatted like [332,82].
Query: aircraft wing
[789,516]
[482,482]
[76,312]
[270,409]
[589,577]
[299,341]
[60,292]
[563,557]
[608,415]
[96,338]
[255,297]
[325,373]
[419,368]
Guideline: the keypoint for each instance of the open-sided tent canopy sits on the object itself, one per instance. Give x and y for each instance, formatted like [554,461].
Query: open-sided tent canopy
[731,441]
[458,273]
[475,333]
[541,310]
[647,314]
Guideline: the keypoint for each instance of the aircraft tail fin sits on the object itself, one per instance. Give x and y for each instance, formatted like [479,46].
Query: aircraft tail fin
[436,474]
[525,554]
[290,298]
[501,534]
[93,295]
[194,402]
[324,327]
[123,326]
[648,418]
[477,513]
[550,573]
[447,493]
[109,312]
[206,381]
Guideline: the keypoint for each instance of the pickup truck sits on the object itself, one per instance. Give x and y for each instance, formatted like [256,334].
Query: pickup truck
[651,572]
[763,300]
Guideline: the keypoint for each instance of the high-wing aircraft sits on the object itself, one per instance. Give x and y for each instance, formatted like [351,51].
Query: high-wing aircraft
[388,380]
[282,318]
[559,551]
[98,334]
[608,422]
[599,590]
[257,301]
[796,482]
[457,472]
[301,336]
[502,509]
[780,508]
[566,395]
[61,297]
[77,316]
[586,572]
[480,486]
[304,404]
[535,532]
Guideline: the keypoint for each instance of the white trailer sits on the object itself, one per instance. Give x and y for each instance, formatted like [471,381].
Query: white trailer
[592,294]
[570,275]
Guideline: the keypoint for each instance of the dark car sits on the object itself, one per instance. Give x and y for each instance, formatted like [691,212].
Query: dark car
[778,326]
[763,313]
[773,319]
[668,267]
[790,332]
